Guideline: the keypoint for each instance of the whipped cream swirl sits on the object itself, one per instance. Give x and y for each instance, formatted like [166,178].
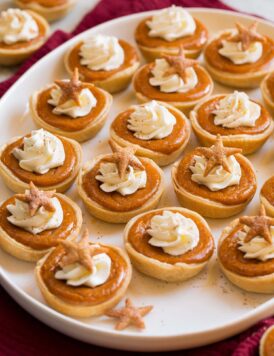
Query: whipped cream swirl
[172,83]
[151,121]
[100,52]
[258,247]
[173,232]
[41,221]
[236,110]
[218,178]
[77,275]
[41,152]
[171,23]
[234,51]
[70,107]
[112,182]
[17,26]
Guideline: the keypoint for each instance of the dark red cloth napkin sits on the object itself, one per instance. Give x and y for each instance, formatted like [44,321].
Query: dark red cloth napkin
[20,333]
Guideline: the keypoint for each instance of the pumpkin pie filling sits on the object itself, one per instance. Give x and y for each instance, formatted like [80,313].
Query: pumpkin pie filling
[268,347]
[25,44]
[63,122]
[115,201]
[74,59]
[166,145]
[205,118]
[142,85]
[192,42]
[46,3]
[52,177]
[232,195]
[139,237]
[268,190]
[233,259]
[45,239]
[216,60]
[83,295]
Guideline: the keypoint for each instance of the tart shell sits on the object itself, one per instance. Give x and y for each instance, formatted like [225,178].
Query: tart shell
[205,207]
[263,340]
[81,135]
[11,57]
[18,186]
[260,284]
[29,254]
[248,143]
[160,158]
[164,271]
[269,103]
[77,310]
[269,208]
[101,213]
[50,13]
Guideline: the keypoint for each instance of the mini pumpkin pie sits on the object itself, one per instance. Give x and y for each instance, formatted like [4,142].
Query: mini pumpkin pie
[50,9]
[176,80]
[267,89]
[215,181]
[239,57]
[115,187]
[49,161]
[267,196]
[34,222]
[241,122]
[106,61]
[267,342]
[246,252]
[21,34]
[157,131]
[171,244]
[168,29]
[71,108]
[83,279]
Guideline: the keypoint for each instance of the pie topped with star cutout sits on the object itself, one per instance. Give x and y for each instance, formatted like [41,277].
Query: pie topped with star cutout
[215,181]
[71,108]
[34,222]
[117,186]
[240,57]
[246,252]
[82,278]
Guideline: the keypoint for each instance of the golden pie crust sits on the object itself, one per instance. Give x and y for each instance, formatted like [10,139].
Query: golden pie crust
[118,215]
[182,101]
[112,81]
[267,96]
[51,13]
[154,47]
[11,55]
[207,207]
[79,129]
[267,342]
[242,76]
[248,142]
[258,282]
[25,248]
[89,304]
[267,196]
[18,185]
[161,151]
[154,262]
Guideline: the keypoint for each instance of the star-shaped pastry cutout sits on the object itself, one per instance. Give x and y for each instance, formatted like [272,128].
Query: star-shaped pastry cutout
[70,89]
[246,35]
[80,252]
[129,315]
[217,155]
[179,64]
[123,157]
[258,225]
[37,198]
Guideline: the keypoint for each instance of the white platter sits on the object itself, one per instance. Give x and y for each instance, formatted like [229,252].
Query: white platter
[203,310]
